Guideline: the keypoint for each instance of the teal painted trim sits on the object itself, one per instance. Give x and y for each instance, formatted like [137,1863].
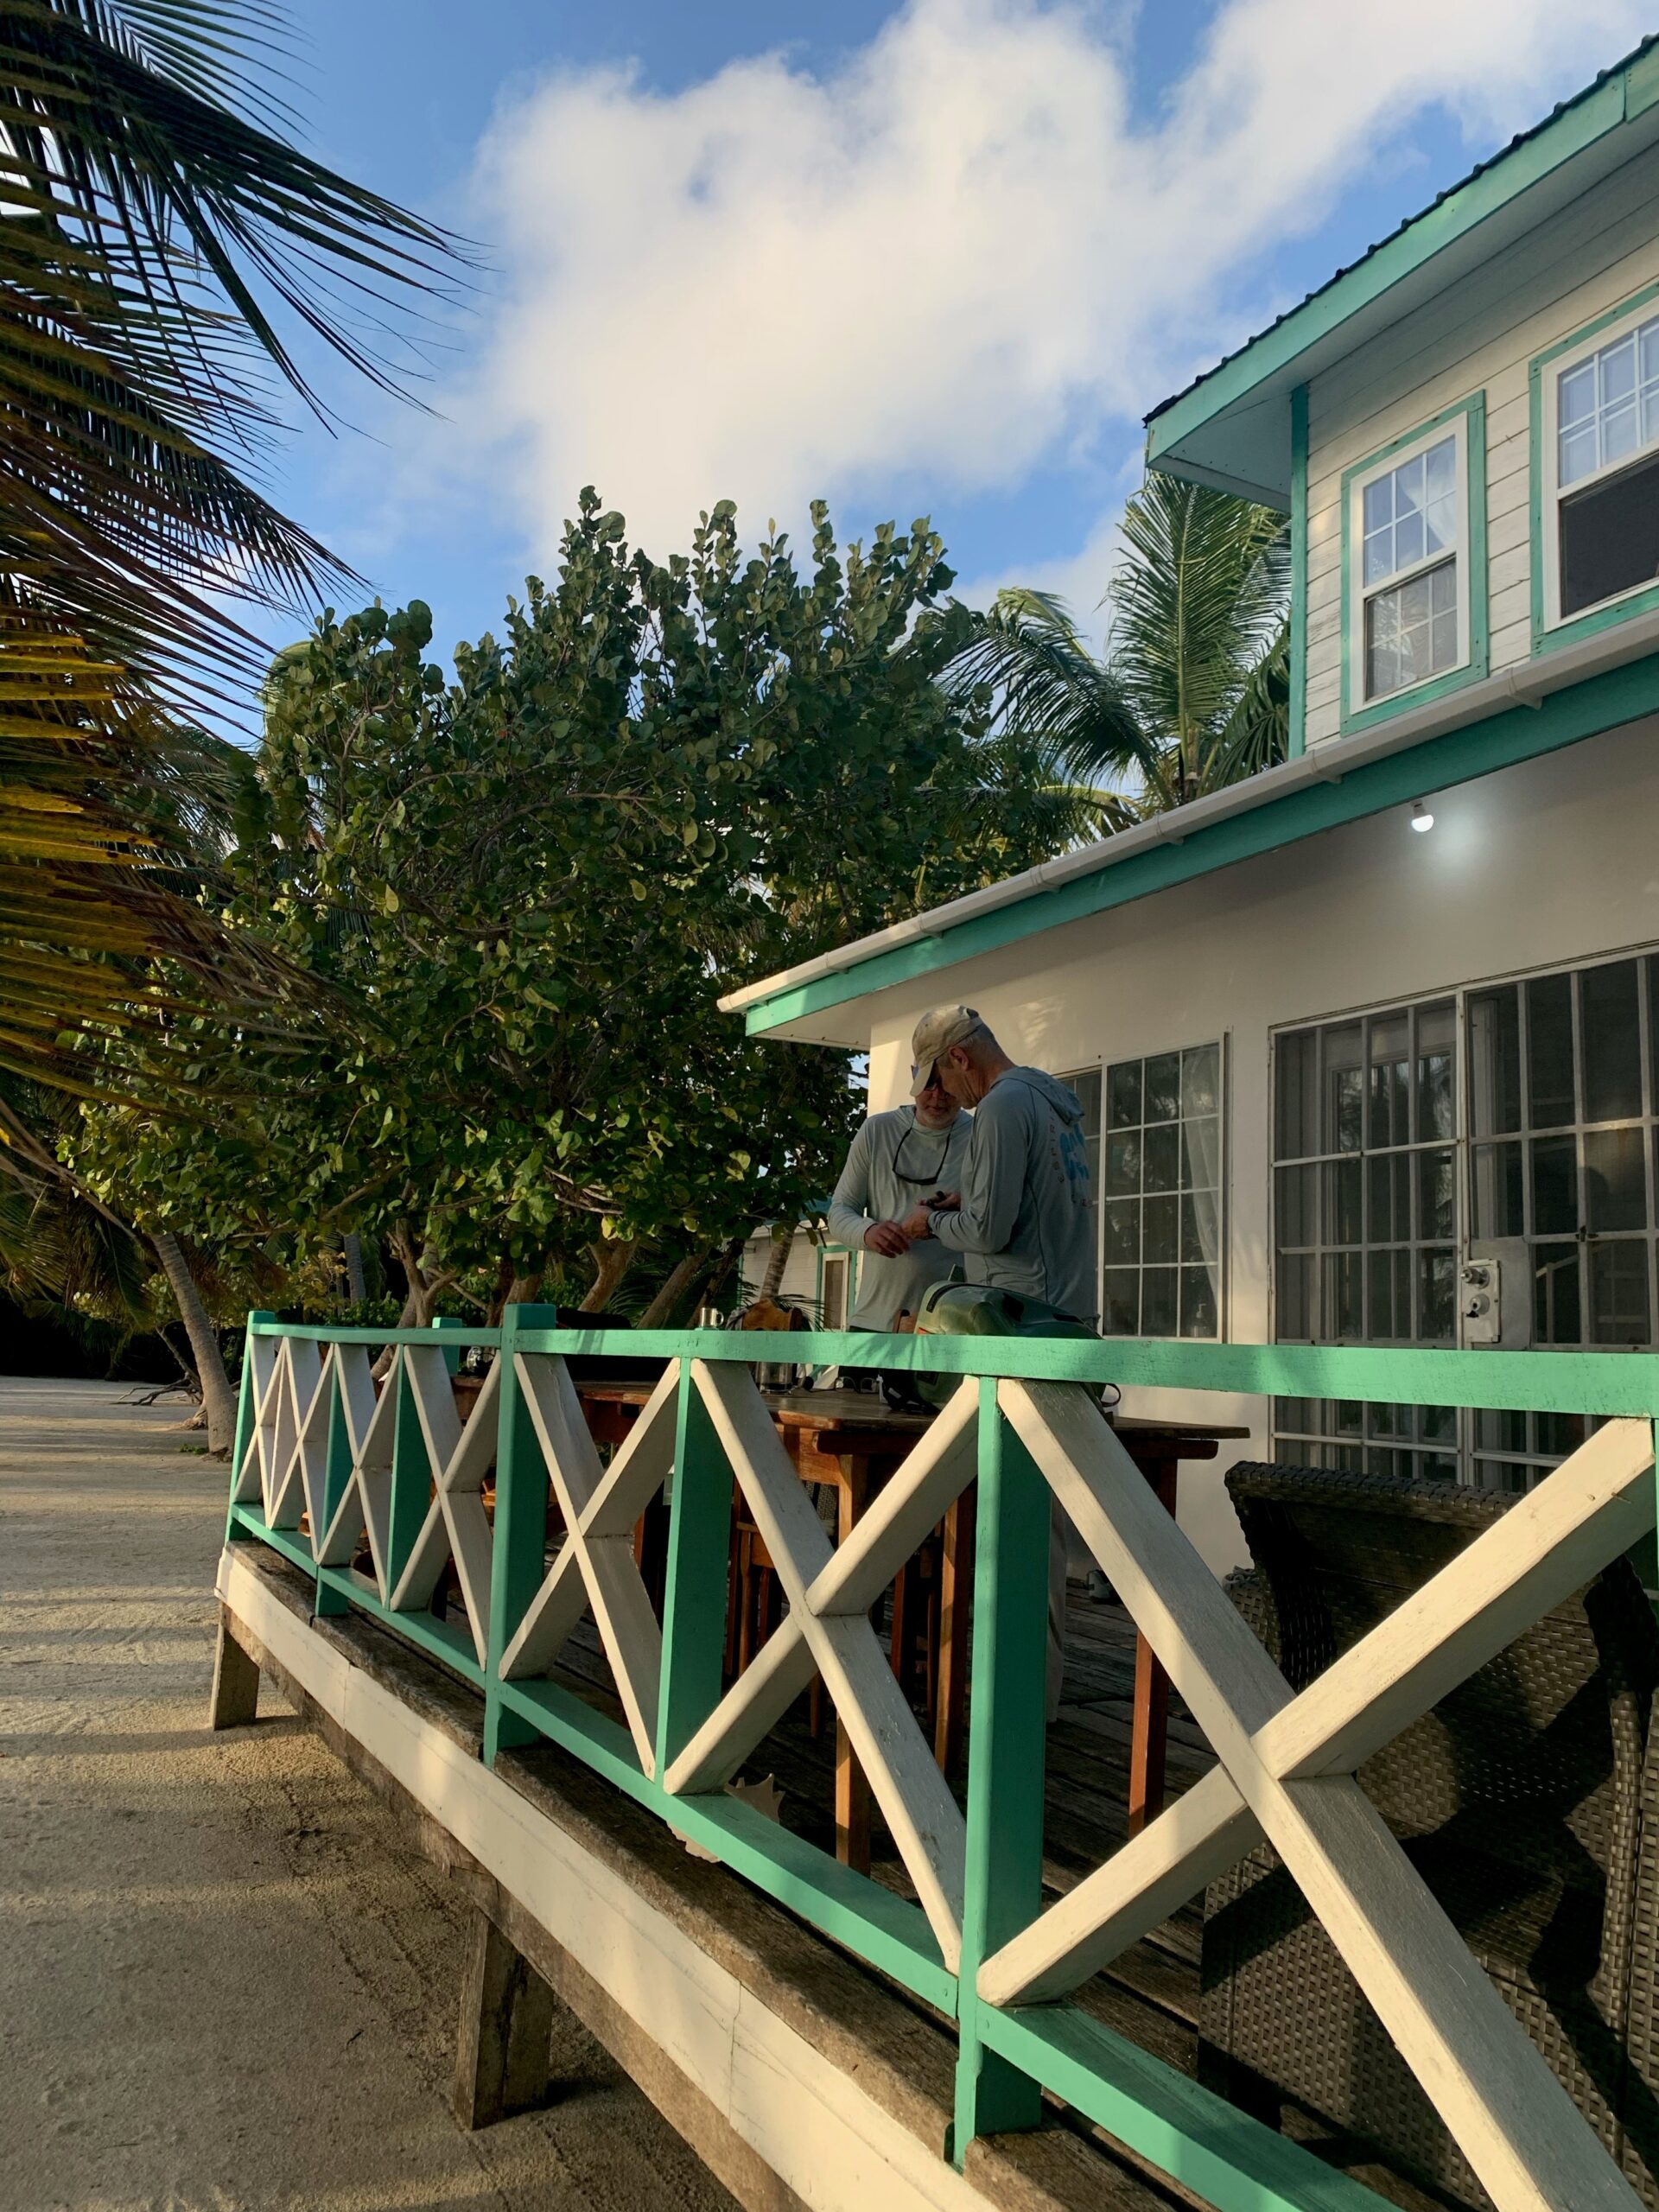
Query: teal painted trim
[410,1487]
[888,1931]
[1472,410]
[695,1590]
[1296,736]
[451,1358]
[451,1647]
[294,1547]
[1501,740]
[1641,85]
[1203,2143]
[551,1710]
[1525,1382]
[267,1324]
[1003,1881]
[1548,637]
[1596,111]
[245,1414]
[519,1545]
[336,1474]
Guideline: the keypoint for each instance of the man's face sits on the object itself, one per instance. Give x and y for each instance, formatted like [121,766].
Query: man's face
[955,1073]
[936,1109]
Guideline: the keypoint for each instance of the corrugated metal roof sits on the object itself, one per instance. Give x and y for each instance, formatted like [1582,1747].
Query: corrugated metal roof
[1492,162]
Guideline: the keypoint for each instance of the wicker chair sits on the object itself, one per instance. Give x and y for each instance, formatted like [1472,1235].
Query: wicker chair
[1527,1799]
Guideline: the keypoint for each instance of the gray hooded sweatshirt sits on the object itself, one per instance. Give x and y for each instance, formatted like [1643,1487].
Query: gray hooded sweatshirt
[1025,1223]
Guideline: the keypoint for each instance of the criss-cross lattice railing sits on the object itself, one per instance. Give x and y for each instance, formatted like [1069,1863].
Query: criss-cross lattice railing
[368,1476]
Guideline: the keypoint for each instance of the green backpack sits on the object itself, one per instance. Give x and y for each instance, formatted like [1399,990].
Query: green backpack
[971,1309]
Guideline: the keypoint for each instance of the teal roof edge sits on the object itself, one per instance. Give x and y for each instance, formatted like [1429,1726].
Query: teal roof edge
[1503,740]
[1628,88]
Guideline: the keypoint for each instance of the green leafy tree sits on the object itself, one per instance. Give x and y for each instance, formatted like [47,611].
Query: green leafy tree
[522,894]
[1193,692]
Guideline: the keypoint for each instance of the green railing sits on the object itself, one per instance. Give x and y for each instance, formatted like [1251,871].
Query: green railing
[1009,2053]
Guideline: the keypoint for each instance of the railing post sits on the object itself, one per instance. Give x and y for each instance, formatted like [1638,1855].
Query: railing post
[246,1412]
[699,1554]
[1006,1757]
[336,1473]
[520,1526]
[451,1359]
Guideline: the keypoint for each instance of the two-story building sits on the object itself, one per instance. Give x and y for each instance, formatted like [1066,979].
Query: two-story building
[1369,1043]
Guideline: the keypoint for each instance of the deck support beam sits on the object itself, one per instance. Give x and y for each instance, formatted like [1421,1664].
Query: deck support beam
[235,1699]
[506,2031]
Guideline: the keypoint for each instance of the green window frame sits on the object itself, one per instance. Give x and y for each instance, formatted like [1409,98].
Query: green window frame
[1549,631]
[837,1252]
[1467,420]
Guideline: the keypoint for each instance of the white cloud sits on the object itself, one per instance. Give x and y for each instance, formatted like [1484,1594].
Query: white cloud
[959,255]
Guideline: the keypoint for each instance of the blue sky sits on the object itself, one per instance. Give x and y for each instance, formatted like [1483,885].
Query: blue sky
[936,257]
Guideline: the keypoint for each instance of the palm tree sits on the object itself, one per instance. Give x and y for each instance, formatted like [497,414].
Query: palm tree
[1193,691]
[153,220]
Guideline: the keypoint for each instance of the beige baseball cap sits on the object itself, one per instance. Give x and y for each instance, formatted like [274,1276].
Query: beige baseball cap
[936,1033]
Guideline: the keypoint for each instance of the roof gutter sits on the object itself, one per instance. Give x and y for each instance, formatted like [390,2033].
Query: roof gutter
[1528,684]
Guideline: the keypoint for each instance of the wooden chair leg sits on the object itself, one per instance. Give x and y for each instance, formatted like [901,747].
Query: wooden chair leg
[898,1649]
[930,1664]
[235,1700]
[502,2047]
[734,1606]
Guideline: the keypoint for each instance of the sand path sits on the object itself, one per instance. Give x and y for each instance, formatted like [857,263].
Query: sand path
[225,1982]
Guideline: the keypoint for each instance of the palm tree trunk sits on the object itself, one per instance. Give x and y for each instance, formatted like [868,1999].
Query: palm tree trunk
[356,1283]
[217,1399]
[778,1260]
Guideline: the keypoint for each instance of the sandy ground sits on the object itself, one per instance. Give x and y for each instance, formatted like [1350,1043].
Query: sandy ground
[226,1983]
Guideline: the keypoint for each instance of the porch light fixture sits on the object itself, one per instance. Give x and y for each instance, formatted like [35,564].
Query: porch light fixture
[1420,817]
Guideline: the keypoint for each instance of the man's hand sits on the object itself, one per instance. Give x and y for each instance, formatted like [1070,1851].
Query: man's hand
[918,1224]
[888,1239]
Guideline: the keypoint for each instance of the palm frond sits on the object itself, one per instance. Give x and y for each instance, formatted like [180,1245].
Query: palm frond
[1195,602]
[153,229]
[1050,688]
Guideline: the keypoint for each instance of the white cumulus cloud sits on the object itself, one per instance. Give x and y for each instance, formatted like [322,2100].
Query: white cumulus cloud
[961,255]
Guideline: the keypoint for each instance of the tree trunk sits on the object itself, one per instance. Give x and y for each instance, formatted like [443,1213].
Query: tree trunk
[511,1289]
[217,1399]
[357,1286]
[781,1242]
[423,1292]
[671,1291]
[610,1256]
[724,1265]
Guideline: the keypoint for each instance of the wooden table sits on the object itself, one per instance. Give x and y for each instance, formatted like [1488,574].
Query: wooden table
[851,1439]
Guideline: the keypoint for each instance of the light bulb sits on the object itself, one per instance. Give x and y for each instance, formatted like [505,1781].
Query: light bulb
[1420,817]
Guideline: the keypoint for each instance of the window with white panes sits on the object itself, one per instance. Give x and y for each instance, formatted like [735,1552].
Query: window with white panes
[1524,1112]
[1086,1082]
[1162,1225]
[1365,1219]
[1408,537]
[1600,461]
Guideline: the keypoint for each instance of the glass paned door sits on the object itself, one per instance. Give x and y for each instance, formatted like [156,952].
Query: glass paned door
[1523,1111]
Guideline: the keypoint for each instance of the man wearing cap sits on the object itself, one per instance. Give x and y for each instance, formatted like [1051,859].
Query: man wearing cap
[1021,1220]
[896,1160]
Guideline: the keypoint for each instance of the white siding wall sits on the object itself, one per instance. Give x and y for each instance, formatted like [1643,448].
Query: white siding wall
[1540,865]
[1587,259]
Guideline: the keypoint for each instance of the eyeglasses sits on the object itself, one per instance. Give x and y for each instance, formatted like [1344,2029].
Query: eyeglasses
[934,1172]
